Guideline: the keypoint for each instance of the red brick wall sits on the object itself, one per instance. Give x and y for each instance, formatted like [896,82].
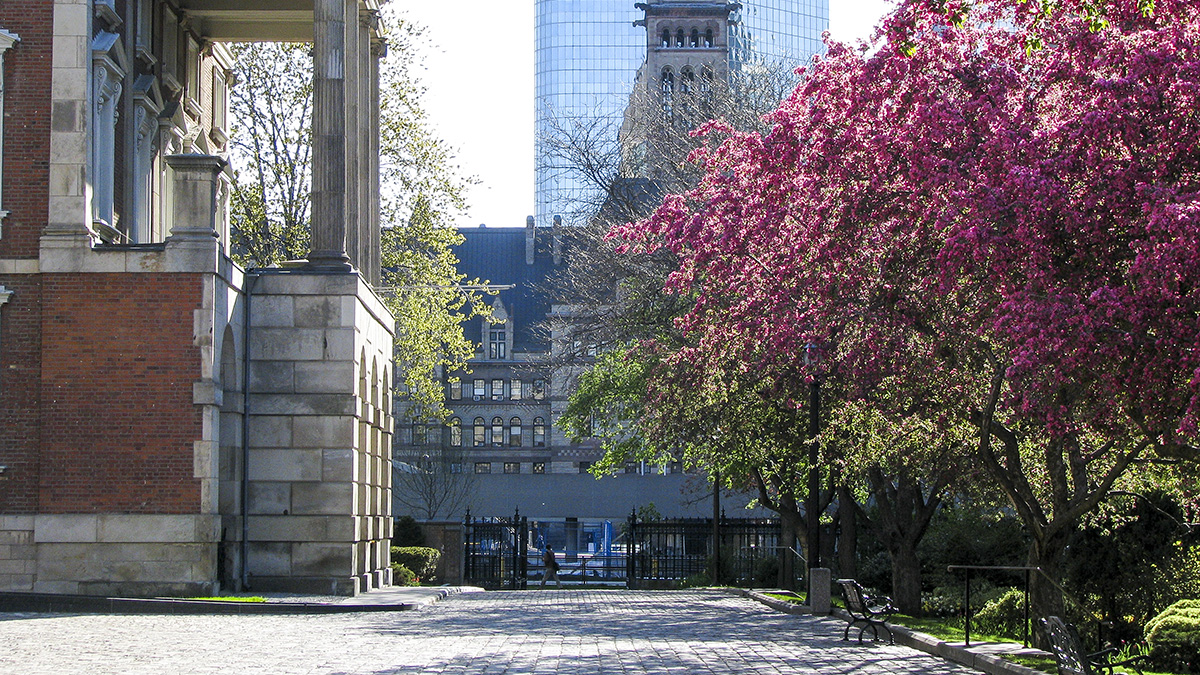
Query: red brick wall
[118,422]
[27,118]
[20,344]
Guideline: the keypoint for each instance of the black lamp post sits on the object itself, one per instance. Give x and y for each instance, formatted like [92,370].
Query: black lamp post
[811,357]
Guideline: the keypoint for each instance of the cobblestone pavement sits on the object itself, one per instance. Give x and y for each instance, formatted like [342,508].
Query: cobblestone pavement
[536,632]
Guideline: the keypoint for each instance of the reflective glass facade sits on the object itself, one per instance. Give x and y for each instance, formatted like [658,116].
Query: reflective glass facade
[588,53]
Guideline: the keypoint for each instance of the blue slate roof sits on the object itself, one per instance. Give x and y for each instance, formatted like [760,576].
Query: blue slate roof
[496,255]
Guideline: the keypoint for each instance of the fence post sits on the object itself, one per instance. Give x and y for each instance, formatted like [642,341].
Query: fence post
[631,550]
[468,559]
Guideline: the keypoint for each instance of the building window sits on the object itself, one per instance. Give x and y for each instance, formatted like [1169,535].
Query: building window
[539,390]
[496,344]
[478,388]
[514,390]
[455,433]
[584,467]
[695,41]
[192,76]
[497,390]
[455,390]
[483,467]
[686,78]
[480,435]
[706,79]
[456,467]
[539,432]
[631,467]
[679,38]
[666,38]
[512,467]
[497,431]
[419,435]
[708,38]
[668,92]
[514,432]
[539,467]
[7,40]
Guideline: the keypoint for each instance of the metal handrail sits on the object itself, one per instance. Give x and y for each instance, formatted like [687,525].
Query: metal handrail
[996,568]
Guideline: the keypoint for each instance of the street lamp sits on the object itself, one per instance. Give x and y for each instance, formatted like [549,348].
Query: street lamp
[812,357]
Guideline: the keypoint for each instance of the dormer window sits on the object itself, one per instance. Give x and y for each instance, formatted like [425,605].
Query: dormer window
[496,344]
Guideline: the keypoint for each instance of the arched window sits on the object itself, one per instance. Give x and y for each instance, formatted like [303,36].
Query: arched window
[480,433]
[708,38]
[695,41]
[514,432]
[706,80]
[666,38]
[497,431]
[455,433]
[687,79]
[679,38]
[539,432]
[667,81]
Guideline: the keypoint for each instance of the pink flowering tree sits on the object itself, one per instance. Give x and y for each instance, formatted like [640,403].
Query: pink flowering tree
[995,214]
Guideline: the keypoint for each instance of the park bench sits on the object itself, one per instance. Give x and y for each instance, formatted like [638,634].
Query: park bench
[1062,639]
[869,611]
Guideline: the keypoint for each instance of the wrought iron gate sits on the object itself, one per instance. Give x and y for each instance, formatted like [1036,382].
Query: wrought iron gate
[664,553]
[495,555]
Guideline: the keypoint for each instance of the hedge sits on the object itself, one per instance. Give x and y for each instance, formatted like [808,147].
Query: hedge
[1174,637]
[422,560]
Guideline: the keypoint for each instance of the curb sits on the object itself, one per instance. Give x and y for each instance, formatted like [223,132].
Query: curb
[53,602]
[988,663]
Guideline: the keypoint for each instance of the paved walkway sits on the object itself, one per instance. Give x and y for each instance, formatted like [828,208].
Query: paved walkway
[535,632]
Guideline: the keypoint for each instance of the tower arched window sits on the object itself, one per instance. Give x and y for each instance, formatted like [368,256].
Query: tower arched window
[497,430]
[514,432]
[706,80]
[455,433]
[666,38]
[695,40]
[679,38]
[708,38]
[668,91]
[687,80]
[479,433]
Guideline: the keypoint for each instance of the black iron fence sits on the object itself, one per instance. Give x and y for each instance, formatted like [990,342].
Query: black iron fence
[495,551]
[739,552]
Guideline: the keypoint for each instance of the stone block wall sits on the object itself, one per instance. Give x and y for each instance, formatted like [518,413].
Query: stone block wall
[319,433]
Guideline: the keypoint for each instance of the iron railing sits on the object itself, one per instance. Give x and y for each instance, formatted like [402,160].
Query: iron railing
[666,552]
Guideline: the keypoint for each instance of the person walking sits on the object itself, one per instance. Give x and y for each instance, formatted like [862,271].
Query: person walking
[551,567]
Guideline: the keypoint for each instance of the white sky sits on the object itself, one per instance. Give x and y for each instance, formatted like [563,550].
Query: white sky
[479,80]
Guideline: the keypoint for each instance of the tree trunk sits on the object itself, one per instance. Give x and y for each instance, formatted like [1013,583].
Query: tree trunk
[906,579]
[848,536]
[789,523]
[1045,594]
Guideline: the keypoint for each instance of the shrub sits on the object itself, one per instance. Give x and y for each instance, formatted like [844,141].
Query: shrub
[1174,637]
[402,576]
[406,532]
[420,559]
[1004,615]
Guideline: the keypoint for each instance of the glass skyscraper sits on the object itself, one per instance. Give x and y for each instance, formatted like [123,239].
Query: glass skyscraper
[588,53]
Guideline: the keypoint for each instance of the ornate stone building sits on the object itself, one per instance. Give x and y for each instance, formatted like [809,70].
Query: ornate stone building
[169,422]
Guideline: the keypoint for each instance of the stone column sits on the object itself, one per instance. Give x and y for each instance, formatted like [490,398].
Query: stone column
[378,51]
[353,146]
[366,22]
[329,137]
[195,187]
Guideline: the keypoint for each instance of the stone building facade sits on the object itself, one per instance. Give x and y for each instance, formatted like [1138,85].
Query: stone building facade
[169,422]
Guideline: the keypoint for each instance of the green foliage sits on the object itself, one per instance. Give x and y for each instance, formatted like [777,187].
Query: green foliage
[1174,637]
[402,576]
[1129,562]
[1004,615]
[406,532]
[970,534]
[422,560]
[766,572]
